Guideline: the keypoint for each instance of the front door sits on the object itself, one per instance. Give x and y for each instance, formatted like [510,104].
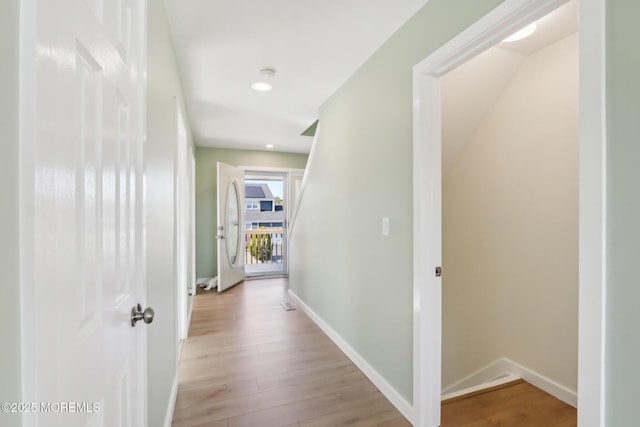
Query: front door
[82,120]
[230,197]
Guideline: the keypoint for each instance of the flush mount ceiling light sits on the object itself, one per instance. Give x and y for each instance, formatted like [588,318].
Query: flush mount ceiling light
[519,35]
[270,146]
[263,84]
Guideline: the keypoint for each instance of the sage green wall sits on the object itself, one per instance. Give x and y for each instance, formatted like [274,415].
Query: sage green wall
[356,280]
[623,210]
[206,205]
[10,354]
[510,228]
[163,88]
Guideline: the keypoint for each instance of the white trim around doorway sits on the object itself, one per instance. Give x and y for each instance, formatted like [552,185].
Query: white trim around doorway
[486,32]
[291,199]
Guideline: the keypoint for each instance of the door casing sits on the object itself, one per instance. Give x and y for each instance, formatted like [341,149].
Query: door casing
[285,182]
[486,32]
[292,193]
[184,187]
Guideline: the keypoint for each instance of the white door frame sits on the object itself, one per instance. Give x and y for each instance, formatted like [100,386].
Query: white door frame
[486,32]
[183,184]
[291,200]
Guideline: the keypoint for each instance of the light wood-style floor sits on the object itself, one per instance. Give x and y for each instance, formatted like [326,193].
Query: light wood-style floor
[517,404]
[248,362]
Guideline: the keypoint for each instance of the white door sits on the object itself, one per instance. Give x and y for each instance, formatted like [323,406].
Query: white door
[82,120]
[230,226]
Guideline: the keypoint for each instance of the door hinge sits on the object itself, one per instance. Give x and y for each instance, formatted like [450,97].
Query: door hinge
[438,271]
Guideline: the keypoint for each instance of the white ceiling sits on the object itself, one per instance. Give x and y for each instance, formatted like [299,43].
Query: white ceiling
[469,91]
[314,46]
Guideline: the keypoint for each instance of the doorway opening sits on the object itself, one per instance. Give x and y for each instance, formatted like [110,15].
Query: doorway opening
[265,219]
[252,225]
[184,232]
[510,213]
[498,24]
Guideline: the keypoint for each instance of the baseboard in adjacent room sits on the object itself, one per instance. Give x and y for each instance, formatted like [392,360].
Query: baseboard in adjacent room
[481,388]
[488,374]
[504,370]
[561,392]
[378,380]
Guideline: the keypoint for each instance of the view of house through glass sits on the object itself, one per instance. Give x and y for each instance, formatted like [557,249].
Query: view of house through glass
[264,224]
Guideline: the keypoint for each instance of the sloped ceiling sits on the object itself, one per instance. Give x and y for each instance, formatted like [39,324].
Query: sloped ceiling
[469,91]
[314,46]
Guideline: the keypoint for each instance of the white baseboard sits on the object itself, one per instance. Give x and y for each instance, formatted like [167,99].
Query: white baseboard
[569,397]
[507,378]
[385,388]
[504,370]
[489,373]
[173,395]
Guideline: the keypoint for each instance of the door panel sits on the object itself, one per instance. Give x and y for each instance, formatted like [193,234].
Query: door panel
[82,182]
[230,197]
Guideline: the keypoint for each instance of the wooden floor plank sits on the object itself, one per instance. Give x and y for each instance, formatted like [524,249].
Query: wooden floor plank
[248,362]
[519,404]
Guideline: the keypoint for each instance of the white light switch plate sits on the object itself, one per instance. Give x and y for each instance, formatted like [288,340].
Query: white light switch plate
[385,226]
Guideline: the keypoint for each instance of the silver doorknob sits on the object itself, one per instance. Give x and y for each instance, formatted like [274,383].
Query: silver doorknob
[138,314]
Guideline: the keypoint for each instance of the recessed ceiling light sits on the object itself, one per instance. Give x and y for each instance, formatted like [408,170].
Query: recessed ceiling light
[519,35]
[263,84]
[270,146]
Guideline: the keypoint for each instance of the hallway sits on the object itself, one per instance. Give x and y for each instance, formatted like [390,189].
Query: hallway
[248,362]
